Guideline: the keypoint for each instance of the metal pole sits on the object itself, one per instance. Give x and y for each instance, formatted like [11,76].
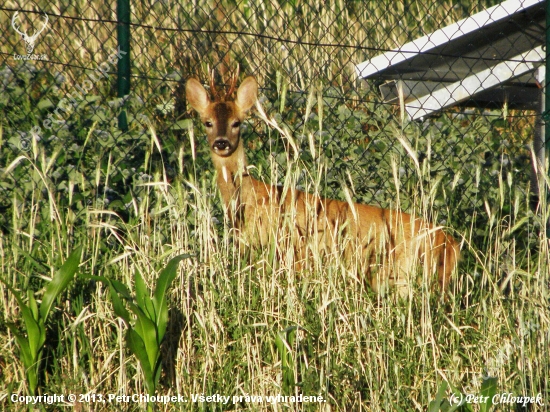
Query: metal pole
[547,79]
[123,69]
[546,116]
[538,144]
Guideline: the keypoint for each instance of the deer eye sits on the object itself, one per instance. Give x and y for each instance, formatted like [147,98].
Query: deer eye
[208,124]
[236,124]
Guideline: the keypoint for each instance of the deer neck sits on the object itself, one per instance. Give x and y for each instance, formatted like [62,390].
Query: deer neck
[230,171]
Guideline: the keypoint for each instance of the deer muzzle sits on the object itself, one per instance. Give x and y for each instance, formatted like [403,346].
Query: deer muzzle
[223,147]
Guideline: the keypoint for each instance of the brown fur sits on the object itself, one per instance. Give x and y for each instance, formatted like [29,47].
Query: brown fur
[392,241]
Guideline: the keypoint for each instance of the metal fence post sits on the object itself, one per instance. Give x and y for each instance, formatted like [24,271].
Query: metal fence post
[546,113]
[123,69]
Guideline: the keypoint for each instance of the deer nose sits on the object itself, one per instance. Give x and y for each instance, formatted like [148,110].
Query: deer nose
[221,144]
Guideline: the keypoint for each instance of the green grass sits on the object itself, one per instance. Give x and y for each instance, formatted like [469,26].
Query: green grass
[245,322]
[228,310]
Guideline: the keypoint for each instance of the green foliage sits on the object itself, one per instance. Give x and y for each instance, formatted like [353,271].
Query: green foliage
[89,161]
[35,318]
[113,198]
[147,319]
[285,342]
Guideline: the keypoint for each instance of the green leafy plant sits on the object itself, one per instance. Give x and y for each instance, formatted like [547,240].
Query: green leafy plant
[284,341]
[147,325]
[31,346]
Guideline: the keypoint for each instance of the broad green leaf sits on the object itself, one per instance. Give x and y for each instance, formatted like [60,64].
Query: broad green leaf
[59,282]
[30,346]
[26,356]
[282,348]
[121,289]
[142,296]
[136,310]
[147,330]
[32,379]
[33,333]
[32,304]
[141,289]
[30,361]
[137,347]
[166,277]
[31,325]
[162,319]
[36,333]
[118,306]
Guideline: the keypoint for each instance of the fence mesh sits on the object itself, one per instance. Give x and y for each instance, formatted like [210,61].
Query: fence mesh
[63,98]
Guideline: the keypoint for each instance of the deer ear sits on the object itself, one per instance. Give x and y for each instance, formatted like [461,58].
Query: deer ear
[247,94]
[196,96]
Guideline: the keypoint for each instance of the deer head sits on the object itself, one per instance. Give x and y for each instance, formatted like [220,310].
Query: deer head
[222,116]
[29,40]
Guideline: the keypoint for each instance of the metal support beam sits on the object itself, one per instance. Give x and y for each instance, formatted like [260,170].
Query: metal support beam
[546,117]
[123,69]
[538,144]
[463,89]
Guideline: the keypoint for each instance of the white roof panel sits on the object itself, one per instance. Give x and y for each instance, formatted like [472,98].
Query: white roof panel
[448,34]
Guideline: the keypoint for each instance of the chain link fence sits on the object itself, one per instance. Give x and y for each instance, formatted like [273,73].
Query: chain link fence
[64,96]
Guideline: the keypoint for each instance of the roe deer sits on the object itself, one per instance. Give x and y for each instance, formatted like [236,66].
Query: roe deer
[394,239]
